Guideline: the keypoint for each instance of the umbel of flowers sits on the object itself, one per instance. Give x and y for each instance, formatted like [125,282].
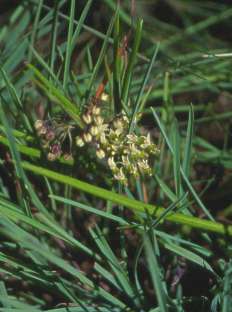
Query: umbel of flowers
[126,154]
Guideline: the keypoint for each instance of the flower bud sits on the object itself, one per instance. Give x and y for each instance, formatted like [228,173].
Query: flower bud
[50,135]
[51,157]
[104,97]
[38,124]
[68,156]
[56,149]
[42,130]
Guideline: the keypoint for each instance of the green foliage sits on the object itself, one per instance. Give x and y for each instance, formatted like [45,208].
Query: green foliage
[72,238]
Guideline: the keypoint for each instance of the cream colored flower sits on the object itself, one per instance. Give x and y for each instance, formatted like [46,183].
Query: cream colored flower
[79,141]
[125,118]
[42,131]
[118,124]
[112,163]
[98,120]
[102,128]
[144,167]
[100,153]
[146,141]
[96,110]
[94,130]
[134,151]
[120,176]
[104,96]
[132,138]
[51,156]
[102,138]
[87,118]
[134,171]
[126,162]
[87,137]
[38,124]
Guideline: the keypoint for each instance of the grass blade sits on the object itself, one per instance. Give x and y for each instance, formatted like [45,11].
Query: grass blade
[188,143]
[134,205]
[153,267]
[185,178]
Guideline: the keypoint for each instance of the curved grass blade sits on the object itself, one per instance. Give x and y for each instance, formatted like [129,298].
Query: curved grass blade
[135,205]
[155,271]
[185,178]
[57,95]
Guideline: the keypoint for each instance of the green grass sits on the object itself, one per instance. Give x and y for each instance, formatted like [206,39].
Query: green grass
[74,239]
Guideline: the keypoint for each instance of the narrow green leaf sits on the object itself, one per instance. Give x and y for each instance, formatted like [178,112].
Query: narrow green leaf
[155,273]
[142,87]
[68,47]
[185,178]
[134,205]
[193,257]
[90,209]
[55,93]
[132,58]
[100,57]
[35,27]
[188,143]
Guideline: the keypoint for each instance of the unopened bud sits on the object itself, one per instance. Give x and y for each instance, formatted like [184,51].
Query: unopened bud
[39,124]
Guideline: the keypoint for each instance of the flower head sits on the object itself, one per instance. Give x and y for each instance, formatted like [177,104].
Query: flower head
[100,153]
[79,141]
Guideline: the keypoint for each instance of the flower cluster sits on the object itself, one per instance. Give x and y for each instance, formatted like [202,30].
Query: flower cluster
[53,135]
[127,154]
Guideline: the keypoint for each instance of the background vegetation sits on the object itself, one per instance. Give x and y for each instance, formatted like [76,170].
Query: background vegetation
[74,239]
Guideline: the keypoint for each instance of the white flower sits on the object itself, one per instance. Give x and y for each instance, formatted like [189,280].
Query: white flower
[42,130]
[87,118]
[126,162]
[135,152]
[146,141]
[134,171]
[132,138]
[39,124]
[96,110]
[98,120]
[112,163]
[100,153]
[104,97]
[51,156]
[94,130]
[102,138]
[118,124]
[125,118]
[144,166]
[79,141]
[118,131]
[120,176]
[102,128]
[87,137]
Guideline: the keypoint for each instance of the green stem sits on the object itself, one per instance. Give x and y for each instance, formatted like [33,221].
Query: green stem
[134,205]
